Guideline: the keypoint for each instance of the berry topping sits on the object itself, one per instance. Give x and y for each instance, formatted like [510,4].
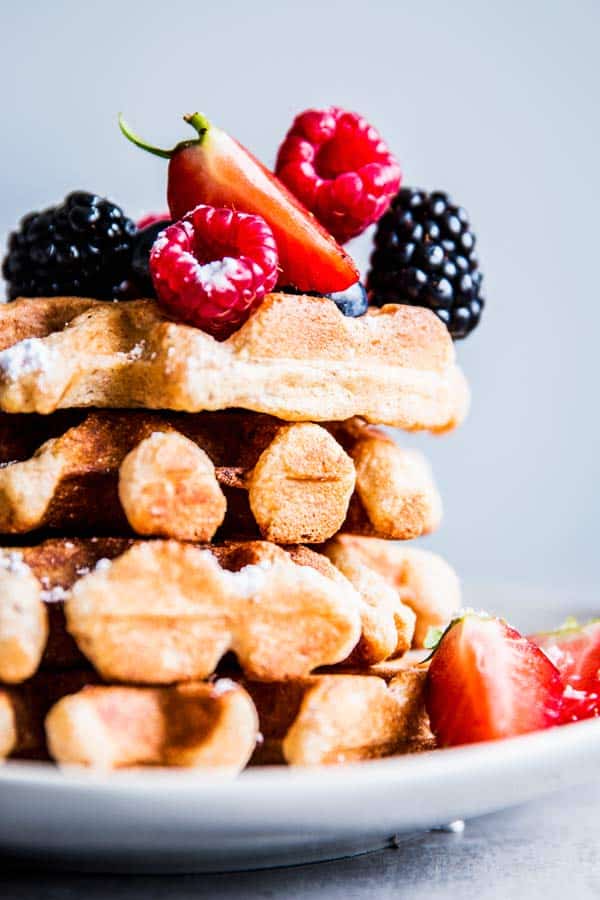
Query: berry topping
[140,260]
[213,268]
[486,681]
[424,256]
[340,168]
[575,651]
[151,218]
[82,247]
[351,302]
[215,169]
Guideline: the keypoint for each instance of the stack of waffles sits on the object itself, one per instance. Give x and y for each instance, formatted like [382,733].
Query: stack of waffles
[206,556]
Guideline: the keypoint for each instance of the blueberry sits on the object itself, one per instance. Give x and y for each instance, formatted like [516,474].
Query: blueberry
[353,301]
[142,245]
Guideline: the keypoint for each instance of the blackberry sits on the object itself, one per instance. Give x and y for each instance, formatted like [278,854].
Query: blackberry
[352,302]
[82,247]
[425,256]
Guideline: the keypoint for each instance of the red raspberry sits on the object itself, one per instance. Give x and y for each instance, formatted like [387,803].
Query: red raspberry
[150,219]
[340,168]
[213,268]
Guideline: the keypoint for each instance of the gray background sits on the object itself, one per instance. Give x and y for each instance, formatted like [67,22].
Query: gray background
[496,102]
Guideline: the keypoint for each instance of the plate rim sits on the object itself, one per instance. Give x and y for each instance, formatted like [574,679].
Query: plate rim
[504,752]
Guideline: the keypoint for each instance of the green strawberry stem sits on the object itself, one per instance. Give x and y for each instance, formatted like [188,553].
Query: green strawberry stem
[199,122]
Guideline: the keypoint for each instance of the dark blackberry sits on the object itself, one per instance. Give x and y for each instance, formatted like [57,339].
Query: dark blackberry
[142,245]
[352,302]
[82,247]
[424,256]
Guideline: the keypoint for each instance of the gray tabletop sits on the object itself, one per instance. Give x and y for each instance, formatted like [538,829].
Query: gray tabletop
[547,849]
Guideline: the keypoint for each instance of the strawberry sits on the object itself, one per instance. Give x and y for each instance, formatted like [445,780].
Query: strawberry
[575,651]
[215,170]
[486,681]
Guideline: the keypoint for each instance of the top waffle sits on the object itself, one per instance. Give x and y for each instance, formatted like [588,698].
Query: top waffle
[297,358]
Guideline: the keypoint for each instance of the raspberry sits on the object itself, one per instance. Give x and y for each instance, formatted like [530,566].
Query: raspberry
[214,267]
[340,168]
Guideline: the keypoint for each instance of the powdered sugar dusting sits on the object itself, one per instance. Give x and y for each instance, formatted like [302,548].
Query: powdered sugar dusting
[54,595]
[103,565]
[137,351]
[12,561]
[223,686]
[28,357]
[250,580]
[218,273]
[161,242]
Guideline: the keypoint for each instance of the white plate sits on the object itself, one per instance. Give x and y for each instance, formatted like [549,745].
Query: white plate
[171,820]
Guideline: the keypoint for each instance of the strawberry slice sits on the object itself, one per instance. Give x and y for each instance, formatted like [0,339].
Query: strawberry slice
[486,681]
[575,651]
[213,169]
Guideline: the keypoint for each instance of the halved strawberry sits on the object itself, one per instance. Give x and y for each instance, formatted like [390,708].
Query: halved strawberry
[486,681]
[575,651]
[213,169]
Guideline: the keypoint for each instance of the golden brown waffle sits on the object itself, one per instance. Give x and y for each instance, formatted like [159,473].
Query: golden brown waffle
[297,358]
[194,725]
[177,475]
[164,611]
[326,719]
[23,620]
[423,580]
[378,596]
[24,707]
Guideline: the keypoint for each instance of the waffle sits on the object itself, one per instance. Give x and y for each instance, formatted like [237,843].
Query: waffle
[24,707]
[184,476]
[23,620]
[297,358]
[321,719]
[424,581]
[165,611]
[194,725]
[326,719]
